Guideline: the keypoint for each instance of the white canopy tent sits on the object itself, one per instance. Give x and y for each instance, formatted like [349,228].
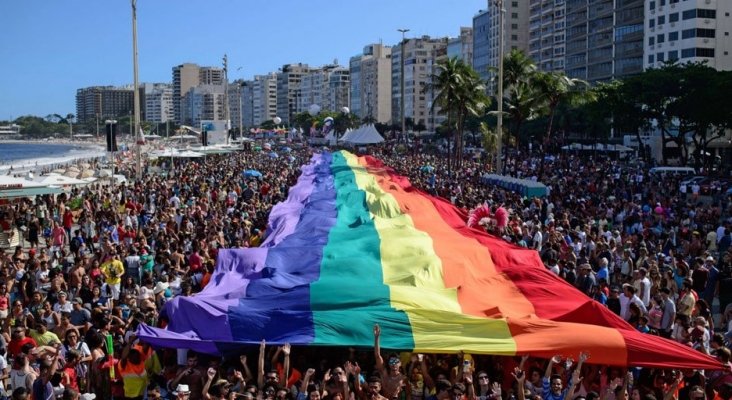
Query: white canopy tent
[60,180]
[366,134]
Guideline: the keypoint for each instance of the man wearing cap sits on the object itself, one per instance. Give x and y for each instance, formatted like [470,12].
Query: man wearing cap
[63,305]
[711,288]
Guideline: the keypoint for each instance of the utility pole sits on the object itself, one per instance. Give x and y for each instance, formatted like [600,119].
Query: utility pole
[401,100]
[499,124]
[136,94]
[227,117]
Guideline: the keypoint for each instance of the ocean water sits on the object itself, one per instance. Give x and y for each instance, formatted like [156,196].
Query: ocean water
[31,155]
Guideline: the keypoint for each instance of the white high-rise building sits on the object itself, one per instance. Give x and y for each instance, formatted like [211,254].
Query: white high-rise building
[328,87]
[204,102]
[688,31]
[264,98]
[371,83]
[159,103]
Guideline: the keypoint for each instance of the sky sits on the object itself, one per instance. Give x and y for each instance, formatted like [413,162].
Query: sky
[51,48]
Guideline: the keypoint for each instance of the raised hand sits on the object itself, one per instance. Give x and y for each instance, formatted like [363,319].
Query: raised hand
[377,330]
[310,372]
[519,375]
[576,379]
[524,358]
[262,345]
[468,378]
[356,369]
[348,367]
[584,357]
[211,373]
[496,388]
[238,376]
[556,359]
[286,349]
[243,359]
[326,377]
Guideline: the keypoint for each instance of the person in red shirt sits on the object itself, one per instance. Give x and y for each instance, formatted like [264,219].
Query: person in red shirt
[19,340]
[68,374]
[68,221]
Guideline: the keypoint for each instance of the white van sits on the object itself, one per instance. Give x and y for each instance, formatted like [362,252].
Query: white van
[677,171]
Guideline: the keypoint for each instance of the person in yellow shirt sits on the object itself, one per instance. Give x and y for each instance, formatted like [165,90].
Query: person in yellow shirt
[42,335]
[113,269]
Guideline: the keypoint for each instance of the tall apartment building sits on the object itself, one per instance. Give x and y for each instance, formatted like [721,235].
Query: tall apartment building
[264,98]
[159,103]
[246,94]
[288,90]
[604,39]
[187,76]
[547,34]
[485,34]
[204,102]
[235,104]
[371,83]
[461,47]
[420,56]
[688,31]
[328,87]
[105,102]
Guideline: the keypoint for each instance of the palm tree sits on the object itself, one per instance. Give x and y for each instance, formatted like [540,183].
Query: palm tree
[555,88]
[459,93]
[522,102]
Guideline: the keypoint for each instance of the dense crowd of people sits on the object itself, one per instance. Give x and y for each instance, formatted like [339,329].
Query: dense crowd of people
[100,260]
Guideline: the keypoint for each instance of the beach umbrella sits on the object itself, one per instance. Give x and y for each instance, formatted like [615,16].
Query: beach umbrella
[273,155]
[427,168]
[257,148]
[252,173]
[267,146]
[286,149]
[103,173]
[291,158]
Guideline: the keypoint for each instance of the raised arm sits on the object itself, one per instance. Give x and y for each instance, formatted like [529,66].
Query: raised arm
[520,377]
[286,372]
[306,380]
[554,360]
[248,373]
[576,379]
[377,348]
[209,378]
[260,366]
[425,373]
[670,394]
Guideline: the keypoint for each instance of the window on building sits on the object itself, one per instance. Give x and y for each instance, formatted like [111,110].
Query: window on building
[651,59]
[659,57]
[652,23]
[514,37]
[673,1]
[705,33]
[514,26]
[704,13]
[703,52]
[652,6]
[660,38]
[673,55]
[661,20]
[673,36]
[651,41]
[688,14]
[688,53]
[688,33]
[673,17]
[514,15]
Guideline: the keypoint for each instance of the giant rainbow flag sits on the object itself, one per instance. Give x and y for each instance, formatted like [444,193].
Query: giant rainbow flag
[356,244]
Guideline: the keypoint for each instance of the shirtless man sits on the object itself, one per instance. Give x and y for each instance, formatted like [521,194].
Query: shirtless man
[392,379]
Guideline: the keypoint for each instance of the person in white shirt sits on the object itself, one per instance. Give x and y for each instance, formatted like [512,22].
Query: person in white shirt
[645,287]
[628,297]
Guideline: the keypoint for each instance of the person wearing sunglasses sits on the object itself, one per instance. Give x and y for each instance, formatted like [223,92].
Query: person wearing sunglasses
[392,376]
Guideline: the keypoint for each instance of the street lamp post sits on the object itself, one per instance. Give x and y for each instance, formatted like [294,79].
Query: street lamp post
[136,94]
[401,100]
[227,115]
[499,124]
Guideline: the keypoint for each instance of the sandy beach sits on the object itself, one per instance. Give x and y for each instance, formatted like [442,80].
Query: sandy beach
[81,151]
